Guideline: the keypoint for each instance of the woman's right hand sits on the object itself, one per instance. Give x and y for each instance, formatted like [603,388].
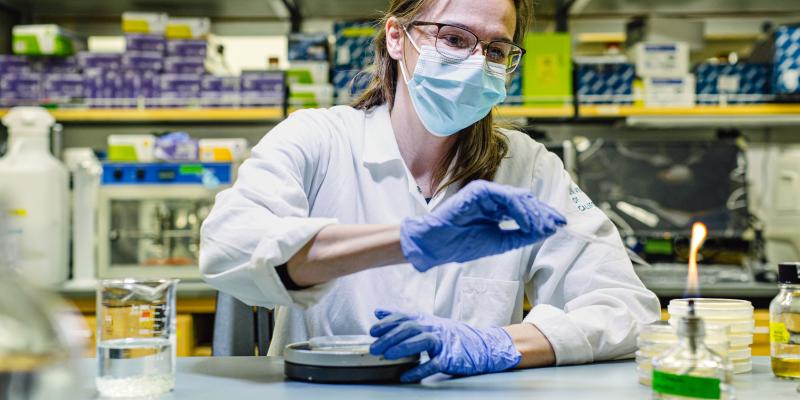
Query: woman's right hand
[466,226]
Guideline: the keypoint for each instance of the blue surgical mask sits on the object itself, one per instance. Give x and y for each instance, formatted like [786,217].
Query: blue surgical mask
[452,95]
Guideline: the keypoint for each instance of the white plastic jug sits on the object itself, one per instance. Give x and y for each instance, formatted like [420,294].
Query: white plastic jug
[35,189]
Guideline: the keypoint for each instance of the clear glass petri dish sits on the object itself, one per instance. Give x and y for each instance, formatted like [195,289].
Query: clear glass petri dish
[713,308]
[341,343]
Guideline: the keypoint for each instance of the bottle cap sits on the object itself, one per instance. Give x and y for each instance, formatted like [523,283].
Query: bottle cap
[788,272]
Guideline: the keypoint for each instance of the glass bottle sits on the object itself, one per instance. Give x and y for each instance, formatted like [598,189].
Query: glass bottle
[690,370]
[784,323]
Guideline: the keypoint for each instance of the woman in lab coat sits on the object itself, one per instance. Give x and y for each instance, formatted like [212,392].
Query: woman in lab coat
[384,217]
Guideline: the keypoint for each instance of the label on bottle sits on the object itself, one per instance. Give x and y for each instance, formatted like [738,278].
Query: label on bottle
[778,333]
[696,387]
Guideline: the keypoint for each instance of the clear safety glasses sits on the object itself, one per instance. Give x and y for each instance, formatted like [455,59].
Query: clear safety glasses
[458,44]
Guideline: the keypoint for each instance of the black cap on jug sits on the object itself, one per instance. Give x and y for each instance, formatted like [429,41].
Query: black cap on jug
[788,272]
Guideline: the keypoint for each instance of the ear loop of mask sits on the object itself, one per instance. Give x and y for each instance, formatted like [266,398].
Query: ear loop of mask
[403,61]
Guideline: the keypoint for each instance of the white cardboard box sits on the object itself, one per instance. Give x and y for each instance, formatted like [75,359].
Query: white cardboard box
[661,59]
[674,91]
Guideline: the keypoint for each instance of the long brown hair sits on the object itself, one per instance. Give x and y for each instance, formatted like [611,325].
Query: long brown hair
[480,147]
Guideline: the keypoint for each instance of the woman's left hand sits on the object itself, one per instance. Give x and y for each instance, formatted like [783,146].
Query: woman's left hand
[454,347]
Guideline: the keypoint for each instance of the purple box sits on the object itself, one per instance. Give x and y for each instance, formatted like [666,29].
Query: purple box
[219,91]
[139,42]
[103,83]
[11,63]
[57,65]
[67,86]
[187,47]
[263,81]
[20,88]
[180,85]
[140,83]
[222,84]
[184,65]
[143,60]
[99,60]
[262,88]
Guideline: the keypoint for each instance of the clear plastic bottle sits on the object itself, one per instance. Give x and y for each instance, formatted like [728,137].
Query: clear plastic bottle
[784,323]
[690,370]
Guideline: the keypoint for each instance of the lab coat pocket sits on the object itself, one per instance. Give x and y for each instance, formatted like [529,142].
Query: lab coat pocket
[487,302]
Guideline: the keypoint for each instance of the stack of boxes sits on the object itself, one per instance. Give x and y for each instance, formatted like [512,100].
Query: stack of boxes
[162,66]
[354,53]
[309,71]
[664,69]
[740,83]
[605,80]
[786,61]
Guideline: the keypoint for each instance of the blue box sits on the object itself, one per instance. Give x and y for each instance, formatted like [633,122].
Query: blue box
[56,65]
[63,87]
[605,82]
[184,65]
[142,42]
[308,47]
[20,88]
[163,173]
[187,47]
[103,83]
[733,83]
[140,83]
[786,68]
[354,47]
[219,91]
[143,60]
[12,63]
[87,60]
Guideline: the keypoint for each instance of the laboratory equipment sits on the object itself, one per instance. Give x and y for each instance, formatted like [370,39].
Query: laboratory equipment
[690,370]
[656,193]
[734,316]
[784,323]
[135,337]
[342,359]
[35,186]
[659,337]
[39,345]
[86,172]
[149,217]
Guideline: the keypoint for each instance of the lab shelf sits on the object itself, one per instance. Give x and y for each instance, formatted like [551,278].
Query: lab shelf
[752,114]
[564,111]
[749,110]
[166,115]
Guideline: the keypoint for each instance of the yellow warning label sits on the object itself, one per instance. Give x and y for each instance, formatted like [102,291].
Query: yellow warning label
[18,212]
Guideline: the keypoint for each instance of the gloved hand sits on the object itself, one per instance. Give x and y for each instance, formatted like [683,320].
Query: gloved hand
[466,226]
[454,347]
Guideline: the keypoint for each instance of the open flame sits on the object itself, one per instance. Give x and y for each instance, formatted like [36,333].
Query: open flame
[699,233]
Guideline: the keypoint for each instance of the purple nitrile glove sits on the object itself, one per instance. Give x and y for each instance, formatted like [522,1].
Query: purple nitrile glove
[454,347]
[466,226]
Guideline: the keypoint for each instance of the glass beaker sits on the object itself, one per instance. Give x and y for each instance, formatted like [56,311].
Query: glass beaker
[135,337]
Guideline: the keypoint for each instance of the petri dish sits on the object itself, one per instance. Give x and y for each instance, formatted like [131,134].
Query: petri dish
[713,308]
[341,343]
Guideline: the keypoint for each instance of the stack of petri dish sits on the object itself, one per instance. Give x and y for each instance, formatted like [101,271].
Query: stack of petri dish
[735,317]
[657,338]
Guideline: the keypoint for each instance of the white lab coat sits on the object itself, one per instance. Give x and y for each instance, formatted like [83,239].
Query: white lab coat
[342,165]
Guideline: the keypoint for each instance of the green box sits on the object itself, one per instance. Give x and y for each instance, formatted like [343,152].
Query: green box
[547,69]
[45,40]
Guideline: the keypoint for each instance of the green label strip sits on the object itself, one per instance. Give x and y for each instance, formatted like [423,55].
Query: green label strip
[190,169]
[685,385]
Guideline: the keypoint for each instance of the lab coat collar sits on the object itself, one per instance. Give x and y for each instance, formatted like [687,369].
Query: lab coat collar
[380,145]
